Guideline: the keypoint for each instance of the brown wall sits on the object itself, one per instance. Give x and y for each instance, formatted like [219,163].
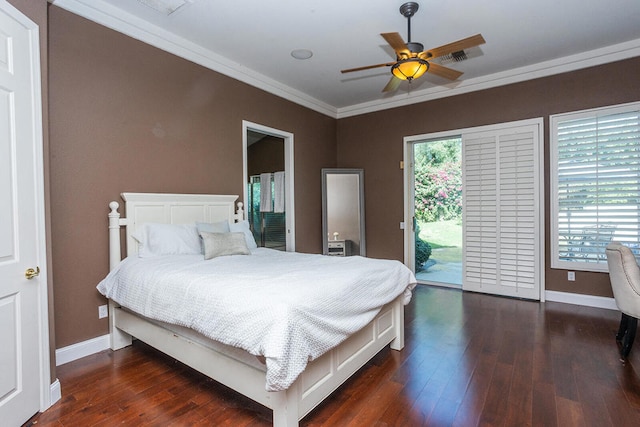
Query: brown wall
[129,117]
[374,142]
[265,155]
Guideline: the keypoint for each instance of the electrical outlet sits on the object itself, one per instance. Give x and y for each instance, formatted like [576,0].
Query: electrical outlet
[571,276]
[103,311]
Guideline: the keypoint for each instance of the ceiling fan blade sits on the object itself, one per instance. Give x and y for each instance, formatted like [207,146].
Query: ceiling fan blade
[368,67]
[396,42]
[446,72]
[455,46]
[392,85]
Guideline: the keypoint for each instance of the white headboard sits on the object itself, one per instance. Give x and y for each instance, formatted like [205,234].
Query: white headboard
[166,208]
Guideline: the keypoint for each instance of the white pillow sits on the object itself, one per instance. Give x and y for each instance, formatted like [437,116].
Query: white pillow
[213,227]
[221,244]
[167,239]
[243,226]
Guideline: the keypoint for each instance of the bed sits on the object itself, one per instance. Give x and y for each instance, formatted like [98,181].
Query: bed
[240,365]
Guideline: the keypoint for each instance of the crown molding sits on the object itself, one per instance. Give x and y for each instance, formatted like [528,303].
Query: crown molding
[104,14]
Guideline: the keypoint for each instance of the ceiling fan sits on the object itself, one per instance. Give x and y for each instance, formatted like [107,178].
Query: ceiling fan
[412,61]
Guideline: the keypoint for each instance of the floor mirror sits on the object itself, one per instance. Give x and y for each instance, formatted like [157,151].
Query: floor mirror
[343,212]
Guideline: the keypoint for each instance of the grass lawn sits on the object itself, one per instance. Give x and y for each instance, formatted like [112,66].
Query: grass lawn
[442,234]
[445,238]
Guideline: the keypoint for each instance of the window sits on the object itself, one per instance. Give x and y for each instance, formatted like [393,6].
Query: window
[595,164]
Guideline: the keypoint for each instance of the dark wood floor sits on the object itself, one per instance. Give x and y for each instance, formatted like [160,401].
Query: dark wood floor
[469,360]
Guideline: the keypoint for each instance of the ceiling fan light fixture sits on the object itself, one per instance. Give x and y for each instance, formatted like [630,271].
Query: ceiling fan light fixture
[409,69]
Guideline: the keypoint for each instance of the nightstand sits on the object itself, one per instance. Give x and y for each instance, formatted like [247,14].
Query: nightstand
[339,247]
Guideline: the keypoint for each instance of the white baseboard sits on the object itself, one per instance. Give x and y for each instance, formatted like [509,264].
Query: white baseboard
[55,392]
[81,349]
[581,299]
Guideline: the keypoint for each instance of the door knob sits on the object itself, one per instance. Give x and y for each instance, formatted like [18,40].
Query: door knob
[31,273]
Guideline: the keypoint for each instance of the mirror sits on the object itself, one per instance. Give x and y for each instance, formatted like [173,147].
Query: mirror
[343,212]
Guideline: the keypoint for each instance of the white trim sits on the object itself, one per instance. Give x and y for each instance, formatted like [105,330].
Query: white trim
[79,350]
[105,14]
[55,391]
[581,299]
[290,217]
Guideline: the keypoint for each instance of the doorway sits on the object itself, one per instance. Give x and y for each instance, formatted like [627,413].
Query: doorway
[502,207]
[436,193]
[268,185]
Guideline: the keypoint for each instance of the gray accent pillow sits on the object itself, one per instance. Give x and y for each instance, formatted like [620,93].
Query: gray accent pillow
[221,244]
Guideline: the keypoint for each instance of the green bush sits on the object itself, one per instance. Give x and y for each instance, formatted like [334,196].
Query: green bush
[423,250]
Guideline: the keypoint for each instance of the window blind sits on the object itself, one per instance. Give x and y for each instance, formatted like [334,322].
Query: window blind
[597,180]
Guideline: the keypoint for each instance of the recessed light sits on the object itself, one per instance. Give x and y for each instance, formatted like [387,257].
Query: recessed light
[301,53]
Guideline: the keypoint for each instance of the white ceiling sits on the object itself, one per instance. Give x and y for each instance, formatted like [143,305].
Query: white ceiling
[253,39]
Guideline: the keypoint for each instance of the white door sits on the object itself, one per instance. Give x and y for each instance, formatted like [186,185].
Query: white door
[23,313]
[503,210]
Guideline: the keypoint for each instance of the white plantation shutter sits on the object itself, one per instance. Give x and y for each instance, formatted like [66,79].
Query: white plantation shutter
[480,211]
[517,211]
[503,211]
[596,176]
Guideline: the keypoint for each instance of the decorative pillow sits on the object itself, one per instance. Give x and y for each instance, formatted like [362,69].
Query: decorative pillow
[213,227]
[167,239]
[221,244]
[243,226]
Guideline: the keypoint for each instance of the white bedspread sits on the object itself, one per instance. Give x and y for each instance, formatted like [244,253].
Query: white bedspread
[288,307]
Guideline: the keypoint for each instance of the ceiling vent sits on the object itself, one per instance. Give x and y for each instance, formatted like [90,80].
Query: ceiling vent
[458,56]
[166,7]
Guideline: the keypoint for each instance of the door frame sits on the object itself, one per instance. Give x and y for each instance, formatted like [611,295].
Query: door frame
[409,194]
[289,202]
[408,188]
[47,392]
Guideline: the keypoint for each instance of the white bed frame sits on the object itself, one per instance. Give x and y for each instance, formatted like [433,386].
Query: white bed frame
[321,377]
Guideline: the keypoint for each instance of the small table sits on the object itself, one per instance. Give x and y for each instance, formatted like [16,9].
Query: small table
[339,247]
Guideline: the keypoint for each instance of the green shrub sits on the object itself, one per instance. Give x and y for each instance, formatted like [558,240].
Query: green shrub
[423,250]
